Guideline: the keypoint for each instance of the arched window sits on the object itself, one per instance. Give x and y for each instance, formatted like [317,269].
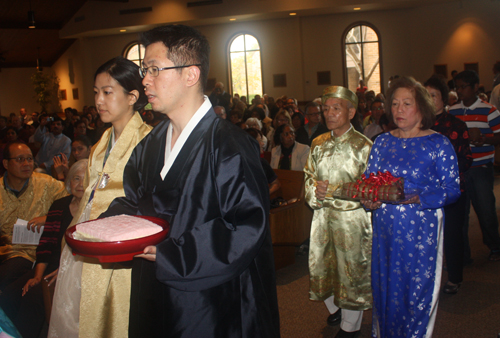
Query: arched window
[134,52]
[362,57]
[245,66]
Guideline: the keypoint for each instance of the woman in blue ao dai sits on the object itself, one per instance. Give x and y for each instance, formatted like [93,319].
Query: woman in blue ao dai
[407,238]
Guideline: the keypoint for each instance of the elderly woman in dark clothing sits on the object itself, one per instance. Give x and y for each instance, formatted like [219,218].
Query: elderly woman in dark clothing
[22,301]
[456,131]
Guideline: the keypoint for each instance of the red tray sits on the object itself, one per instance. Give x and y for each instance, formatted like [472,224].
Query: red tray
[121,251]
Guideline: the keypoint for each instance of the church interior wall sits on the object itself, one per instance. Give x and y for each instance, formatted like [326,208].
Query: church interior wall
[412,42]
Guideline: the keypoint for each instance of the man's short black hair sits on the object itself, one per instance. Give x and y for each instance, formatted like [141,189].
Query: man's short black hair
[185,46]
[260,111]
[56,119]
[8,146]
[312,104]
[496,67]
[377,99]
[77,123]
[468,76]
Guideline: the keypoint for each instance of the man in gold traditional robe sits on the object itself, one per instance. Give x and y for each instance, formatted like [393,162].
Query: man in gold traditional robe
[25,195]
[341,233]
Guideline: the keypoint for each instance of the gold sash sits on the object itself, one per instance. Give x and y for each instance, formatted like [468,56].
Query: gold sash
[105,288]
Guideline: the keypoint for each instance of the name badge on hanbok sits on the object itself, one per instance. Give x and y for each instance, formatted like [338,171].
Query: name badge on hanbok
[103,181]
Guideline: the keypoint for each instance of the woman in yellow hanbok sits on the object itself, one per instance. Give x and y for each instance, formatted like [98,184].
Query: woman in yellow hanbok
[92,299]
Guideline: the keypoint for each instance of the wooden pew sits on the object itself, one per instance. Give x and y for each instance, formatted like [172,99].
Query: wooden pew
[290,224]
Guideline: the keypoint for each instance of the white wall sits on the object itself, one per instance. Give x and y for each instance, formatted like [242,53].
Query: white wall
[16,90]
[323,45]
[280,48]
[412,42]
[70,70]
[454,34]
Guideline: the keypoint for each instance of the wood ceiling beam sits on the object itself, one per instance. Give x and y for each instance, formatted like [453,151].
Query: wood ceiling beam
[110,0]
[24,25]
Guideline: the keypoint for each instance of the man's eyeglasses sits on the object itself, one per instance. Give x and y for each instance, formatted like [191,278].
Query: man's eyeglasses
[312,114]
[21,159]
[155,71]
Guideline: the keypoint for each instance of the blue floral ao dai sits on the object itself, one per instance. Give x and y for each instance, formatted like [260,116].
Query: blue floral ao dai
[407,238]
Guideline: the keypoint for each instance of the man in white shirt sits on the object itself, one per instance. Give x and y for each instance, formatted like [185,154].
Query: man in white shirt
[374,128]
[53,143]
[495,97]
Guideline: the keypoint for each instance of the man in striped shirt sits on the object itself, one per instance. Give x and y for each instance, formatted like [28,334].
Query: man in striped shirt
[483,121]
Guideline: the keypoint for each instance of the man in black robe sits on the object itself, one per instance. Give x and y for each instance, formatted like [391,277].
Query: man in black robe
[214,274]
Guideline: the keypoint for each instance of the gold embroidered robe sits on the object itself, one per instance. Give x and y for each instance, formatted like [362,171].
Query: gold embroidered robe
[341,232]
[35,201]
[105,288]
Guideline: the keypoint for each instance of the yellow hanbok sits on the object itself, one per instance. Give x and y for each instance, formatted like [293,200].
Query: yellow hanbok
[103,307]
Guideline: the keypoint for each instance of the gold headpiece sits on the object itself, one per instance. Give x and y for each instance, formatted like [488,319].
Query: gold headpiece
[341,93]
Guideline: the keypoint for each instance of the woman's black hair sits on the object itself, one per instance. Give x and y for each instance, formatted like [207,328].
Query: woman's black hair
[11,128]
[279,131]
[260,111]
[126,73]
[301,118]
[439,84]
[83,140]
[80,122]
[468,76]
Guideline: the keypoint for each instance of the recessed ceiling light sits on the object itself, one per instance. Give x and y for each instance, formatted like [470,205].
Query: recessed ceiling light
[232,19]
[357,8]
[123,30]
[293,14]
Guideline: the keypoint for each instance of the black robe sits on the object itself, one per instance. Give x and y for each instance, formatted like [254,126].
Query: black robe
[215,271]
[302,136]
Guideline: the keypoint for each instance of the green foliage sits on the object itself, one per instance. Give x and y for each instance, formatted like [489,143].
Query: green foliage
[46,90]
[246,71]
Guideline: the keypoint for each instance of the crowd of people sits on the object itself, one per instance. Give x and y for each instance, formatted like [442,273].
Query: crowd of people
[154,145]
[419,132]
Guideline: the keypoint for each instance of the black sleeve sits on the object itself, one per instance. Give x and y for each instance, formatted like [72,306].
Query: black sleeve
[270,174]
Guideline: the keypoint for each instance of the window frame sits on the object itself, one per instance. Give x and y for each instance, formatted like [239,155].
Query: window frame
[230,72]
[344,54]
[128,47]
